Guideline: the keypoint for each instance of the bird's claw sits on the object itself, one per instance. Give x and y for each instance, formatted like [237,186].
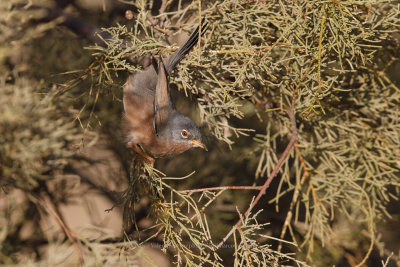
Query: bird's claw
[146,157]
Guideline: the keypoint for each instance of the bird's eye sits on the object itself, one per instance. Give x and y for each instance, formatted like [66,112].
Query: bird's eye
[185,134]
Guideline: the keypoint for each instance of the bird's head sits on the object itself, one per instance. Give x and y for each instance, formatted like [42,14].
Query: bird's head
[184,132]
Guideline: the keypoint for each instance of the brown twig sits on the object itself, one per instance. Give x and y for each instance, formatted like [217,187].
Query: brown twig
[63,226]
[76,24]
[302,162]
[270,178]
[295,196]
[154,23]
[163,6]
[244,187]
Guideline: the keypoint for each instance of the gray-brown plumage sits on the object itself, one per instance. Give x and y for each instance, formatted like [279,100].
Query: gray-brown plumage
[151,121]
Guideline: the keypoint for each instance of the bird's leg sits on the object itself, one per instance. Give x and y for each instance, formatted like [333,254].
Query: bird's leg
[141,153]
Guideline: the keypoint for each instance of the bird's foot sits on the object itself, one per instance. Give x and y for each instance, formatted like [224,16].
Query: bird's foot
[146,157]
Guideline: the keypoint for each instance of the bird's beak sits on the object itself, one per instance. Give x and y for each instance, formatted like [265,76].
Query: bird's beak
[198,143]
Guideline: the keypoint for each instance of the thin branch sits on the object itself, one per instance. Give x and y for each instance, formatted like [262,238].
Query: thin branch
[292,141]
[77,25]
[244,187]
[164,4]
[154,23]
[63,226]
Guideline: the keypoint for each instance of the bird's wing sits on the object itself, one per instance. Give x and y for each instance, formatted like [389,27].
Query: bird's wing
[186,47]
[163,106]
[162,100]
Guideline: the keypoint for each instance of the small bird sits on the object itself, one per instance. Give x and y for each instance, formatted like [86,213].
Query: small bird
[153,127]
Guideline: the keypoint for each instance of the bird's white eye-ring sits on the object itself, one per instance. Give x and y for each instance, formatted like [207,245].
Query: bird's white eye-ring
[184,133]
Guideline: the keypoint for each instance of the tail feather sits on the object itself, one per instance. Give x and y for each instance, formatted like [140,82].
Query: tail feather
[186,47]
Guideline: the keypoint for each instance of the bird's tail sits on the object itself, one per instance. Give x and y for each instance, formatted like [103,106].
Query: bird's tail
[186,47]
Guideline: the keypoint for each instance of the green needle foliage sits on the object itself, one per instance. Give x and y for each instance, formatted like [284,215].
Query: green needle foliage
[328,62]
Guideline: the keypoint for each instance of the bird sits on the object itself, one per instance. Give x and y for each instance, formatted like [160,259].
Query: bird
[152,125]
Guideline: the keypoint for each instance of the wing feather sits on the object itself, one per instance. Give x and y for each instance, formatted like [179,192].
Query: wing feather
[162,101]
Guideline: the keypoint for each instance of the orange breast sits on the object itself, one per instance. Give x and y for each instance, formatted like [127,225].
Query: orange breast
[138,120]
